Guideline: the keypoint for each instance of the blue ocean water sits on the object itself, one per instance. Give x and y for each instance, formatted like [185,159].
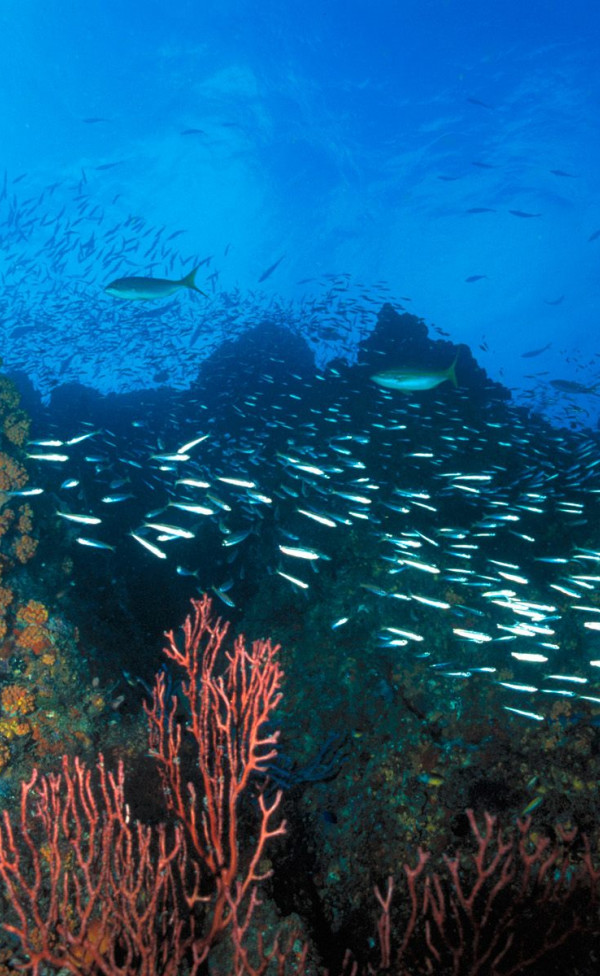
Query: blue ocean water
[392,142]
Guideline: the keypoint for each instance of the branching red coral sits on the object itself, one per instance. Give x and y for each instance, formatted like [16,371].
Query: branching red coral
[91,890]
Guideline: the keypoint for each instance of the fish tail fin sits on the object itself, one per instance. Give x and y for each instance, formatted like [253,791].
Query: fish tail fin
[189,281]
[451,372]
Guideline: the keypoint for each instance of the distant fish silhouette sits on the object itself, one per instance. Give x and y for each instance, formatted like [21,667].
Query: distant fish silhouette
[267,274]
[473,278]
[535,352]
[556,301]
[594,236]
[477,101]
[572,386]
[109,165]
[94,120]
[561,172]
[523,213]
[476,210]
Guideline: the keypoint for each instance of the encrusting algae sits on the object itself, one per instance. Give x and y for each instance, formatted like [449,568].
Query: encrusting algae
[45,708]
[17,700]
[14,422]
[13,475]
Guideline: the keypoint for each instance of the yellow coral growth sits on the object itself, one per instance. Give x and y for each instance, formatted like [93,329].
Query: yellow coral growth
[13,726]
[33,612]
[4,755]
[12,474]
[24,548]
[17,700]
[561,708]
[9,396]
[16,427]
[34,638]
[7,517]
[25,523]
[6,598]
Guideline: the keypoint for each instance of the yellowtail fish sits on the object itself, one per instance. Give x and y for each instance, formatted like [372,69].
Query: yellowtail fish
[149,289]
[409,380]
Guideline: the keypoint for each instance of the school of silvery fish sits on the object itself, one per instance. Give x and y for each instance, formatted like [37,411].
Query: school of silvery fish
[473,527]
[76,307]
[467,535]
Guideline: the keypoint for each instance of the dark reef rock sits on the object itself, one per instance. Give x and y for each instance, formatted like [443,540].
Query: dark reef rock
[401,339]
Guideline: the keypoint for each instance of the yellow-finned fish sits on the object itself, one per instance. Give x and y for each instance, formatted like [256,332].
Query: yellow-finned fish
[409,380]
[148,289]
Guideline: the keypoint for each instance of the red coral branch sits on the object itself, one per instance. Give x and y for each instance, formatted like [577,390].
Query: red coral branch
[229,709]
[90,890]
[495,911]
